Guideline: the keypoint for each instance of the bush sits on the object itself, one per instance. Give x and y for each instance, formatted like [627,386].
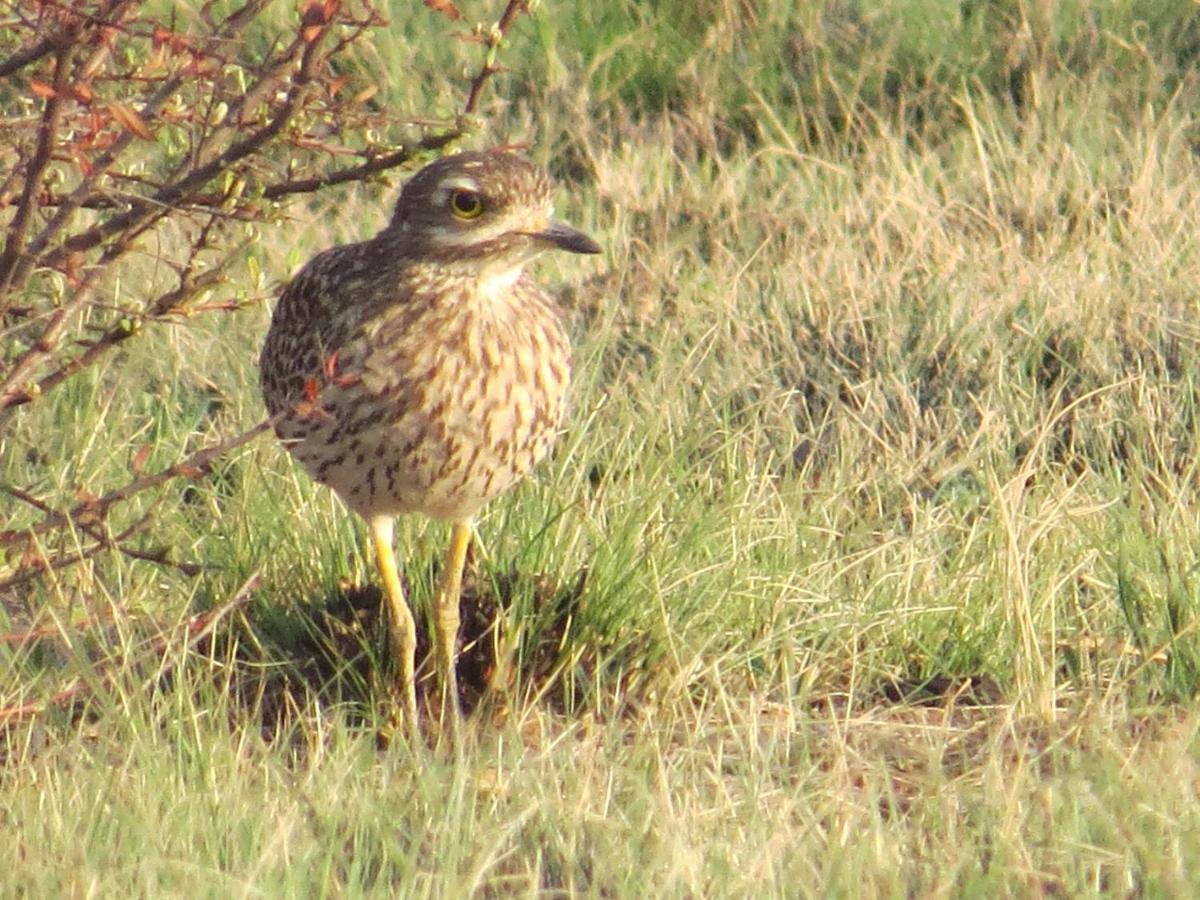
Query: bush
[131,134]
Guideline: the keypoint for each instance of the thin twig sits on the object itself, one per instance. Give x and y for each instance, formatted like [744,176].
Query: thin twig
[198,627]
[22,58]
[173,194]
[492,41]
[12,390]
[95,510]
[168,303]
[103,541]
[24,638]
[359,172]
[84,193]
[18,228]
[85,190]
[372,166]
[201,626]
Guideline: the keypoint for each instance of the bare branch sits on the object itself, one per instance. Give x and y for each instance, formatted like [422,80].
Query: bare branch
[102,541]
[13,390]
[359,172]
[89,512]
[197,628]
[173,194]
[229,132]
[110,11]
[47,132]
[492,41]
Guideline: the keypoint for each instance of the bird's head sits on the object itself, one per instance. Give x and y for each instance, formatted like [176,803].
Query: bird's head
[492,209]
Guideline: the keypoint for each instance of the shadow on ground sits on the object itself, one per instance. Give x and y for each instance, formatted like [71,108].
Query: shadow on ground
[515,640]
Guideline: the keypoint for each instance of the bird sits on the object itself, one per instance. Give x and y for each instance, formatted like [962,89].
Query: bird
[425,371]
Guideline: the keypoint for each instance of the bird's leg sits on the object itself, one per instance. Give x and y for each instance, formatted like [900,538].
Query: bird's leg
[448,597]
[401,628]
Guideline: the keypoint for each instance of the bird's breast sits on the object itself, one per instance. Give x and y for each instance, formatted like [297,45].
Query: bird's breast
[436,408]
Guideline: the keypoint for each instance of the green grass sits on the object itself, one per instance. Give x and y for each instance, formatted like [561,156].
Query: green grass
[880,487]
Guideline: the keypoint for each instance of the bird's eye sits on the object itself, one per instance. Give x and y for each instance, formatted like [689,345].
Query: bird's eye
[466,204]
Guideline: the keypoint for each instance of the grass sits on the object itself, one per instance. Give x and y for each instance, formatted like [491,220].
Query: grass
[876,519]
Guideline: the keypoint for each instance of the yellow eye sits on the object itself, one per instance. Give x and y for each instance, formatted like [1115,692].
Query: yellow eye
[466,204]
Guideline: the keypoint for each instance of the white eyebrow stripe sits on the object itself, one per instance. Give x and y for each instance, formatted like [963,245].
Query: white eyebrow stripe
[459,183]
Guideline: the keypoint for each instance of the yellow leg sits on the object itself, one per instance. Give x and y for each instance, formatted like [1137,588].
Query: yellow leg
[448,597]
[401,628]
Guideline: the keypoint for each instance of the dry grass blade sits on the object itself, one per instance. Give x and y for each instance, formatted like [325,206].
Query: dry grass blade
[196,629]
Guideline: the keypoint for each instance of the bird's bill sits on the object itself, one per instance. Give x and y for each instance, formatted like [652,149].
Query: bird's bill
[567,238]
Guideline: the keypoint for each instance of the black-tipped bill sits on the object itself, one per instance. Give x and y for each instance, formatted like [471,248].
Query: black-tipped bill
[565,237]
